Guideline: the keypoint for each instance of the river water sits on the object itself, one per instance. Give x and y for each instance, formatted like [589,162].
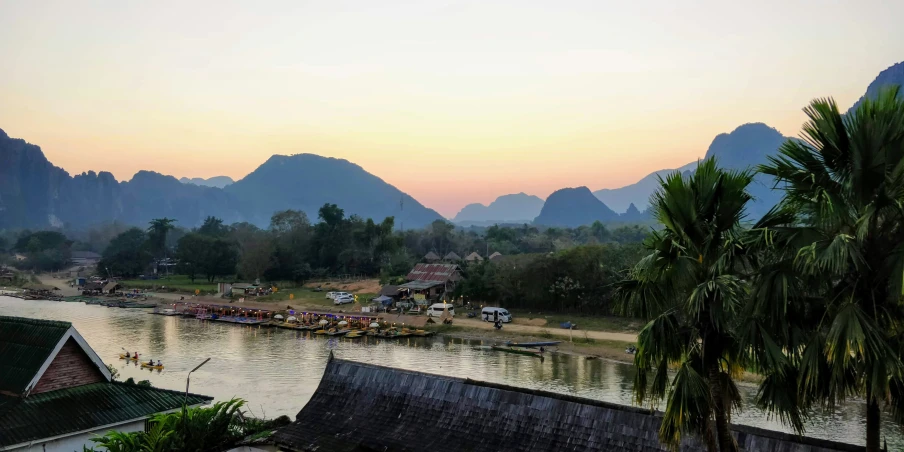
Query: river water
[276,371]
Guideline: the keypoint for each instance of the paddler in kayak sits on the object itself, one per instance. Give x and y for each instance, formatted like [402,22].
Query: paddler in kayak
[151,363]
[159,363]
[128,355]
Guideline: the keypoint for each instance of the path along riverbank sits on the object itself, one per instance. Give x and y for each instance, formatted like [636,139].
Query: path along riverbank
[597,344]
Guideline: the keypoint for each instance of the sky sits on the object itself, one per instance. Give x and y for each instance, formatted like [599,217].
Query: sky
[452,102]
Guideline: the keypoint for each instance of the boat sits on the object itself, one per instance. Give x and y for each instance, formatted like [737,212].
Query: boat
[130,358]
[355,335]
[338,333]
[320,332]
[533,344]
[518,351]
[423,333]
[138,305]
[148,366]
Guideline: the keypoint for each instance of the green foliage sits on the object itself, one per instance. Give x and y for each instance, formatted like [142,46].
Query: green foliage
[44,250]
[113,371]
[157,231]
[127,255]
[203,254]
[578,279]
[691,288]
[837,240]
[192,429]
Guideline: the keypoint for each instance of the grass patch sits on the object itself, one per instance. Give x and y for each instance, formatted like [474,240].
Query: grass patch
[309,297]
[173,283]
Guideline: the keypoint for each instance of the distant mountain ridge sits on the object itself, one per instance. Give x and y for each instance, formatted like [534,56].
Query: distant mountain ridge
[306,181]
[514,208]
[36,194]
[573,207]
[216,181]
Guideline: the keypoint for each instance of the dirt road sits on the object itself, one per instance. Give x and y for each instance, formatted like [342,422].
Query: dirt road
[542,330]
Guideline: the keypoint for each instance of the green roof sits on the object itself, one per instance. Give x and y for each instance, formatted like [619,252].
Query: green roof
[25,344]
[71,410]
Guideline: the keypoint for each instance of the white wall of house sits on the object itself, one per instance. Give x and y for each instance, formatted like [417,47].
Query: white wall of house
[75,442]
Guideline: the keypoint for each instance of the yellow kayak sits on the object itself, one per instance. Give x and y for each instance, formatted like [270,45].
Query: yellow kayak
[320,332]
[129,358]
[146,365]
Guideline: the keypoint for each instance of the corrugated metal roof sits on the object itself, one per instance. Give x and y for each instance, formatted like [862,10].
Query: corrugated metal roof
[366,407]
[111,286]
[24,346]
[432,272]
[420,285]
[81,408]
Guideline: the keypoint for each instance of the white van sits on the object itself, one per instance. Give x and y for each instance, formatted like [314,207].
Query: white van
[491,314]
[438,309]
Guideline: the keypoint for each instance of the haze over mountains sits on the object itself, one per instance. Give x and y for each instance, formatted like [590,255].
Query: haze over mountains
[36,194]
[216,181]
[516,208]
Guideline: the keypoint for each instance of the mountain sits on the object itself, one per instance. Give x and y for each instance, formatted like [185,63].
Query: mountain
[516,208]
[306,181]
[745,147]
[637,193]
[36,194]
[893,75]
[216,181]
[573,207]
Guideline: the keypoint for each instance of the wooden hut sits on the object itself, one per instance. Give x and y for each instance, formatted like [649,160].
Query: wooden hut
[452,257]
[495,256]
[111,287]
[363,407]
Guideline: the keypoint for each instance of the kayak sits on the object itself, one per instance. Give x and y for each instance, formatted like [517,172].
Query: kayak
[354,335]
[148,366]
[130,358]
[320,332]
[518,351]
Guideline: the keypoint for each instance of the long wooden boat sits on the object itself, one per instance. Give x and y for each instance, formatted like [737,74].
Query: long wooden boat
[518,351]
[533,344]
[338,333]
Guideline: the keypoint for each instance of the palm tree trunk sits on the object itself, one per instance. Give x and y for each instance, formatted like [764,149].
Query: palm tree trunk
[872,425]
[720,410]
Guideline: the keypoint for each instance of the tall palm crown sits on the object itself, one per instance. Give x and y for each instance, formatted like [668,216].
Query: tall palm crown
[841,228]
[692,287]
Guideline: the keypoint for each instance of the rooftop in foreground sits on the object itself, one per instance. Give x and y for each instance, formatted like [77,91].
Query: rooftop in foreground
[362,407]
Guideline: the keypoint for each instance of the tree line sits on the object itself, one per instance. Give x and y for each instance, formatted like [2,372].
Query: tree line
[809,297]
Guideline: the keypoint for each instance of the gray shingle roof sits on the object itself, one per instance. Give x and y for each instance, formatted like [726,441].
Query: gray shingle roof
[24,346]
[366,407]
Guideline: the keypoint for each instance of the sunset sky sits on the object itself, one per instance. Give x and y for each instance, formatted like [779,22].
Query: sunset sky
[452,102]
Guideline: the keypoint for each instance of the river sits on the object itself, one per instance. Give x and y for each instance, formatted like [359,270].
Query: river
[276,371]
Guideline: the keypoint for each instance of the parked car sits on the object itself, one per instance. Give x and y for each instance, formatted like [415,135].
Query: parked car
[331,295]
[438,309]
[491,314]
[344,299]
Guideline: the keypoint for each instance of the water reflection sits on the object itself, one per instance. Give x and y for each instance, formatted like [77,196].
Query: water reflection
[277,371]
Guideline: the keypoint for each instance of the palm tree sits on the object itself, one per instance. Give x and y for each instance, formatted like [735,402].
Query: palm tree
[692,288]
[841,224]
[157,231]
